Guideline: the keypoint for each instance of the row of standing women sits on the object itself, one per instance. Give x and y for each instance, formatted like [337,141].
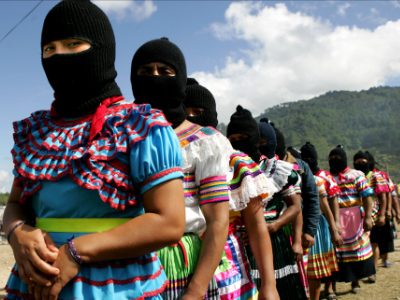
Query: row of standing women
[114,200]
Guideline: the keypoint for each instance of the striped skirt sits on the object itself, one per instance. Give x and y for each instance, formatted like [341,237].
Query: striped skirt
[286,270]
[357,250]
[139,278]
[179,262]
[321,256]
[354,257]
[233,273]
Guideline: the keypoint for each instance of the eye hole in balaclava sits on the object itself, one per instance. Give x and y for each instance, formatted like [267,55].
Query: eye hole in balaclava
[200,104]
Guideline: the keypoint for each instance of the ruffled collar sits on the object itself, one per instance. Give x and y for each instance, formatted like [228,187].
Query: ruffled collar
[48,148]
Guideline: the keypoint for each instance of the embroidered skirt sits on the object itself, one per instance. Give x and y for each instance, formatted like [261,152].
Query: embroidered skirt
[137,278]
[233,273]
[321,256]
[286,270]
[179,262]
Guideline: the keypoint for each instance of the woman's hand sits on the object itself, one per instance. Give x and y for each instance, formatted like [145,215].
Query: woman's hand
[336,238]
[339,228]
[272,228]
[68,270]
[307,240]
[367,223]
[268,294]
[190,295]
[381,220]
[34,253]
[297,251]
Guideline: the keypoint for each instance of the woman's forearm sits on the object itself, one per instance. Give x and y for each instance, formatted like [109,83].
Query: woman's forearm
[291,213]
[260,242]
[383,204]
[334,206]
[141,235]
[395,206]
[325,208]
[214,239]
[162,224]
[14,211]
[210,256]
[298,228]
[367,204]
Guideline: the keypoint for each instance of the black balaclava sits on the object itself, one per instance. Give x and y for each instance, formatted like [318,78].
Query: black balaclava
[267,132]
[81,81]
[364,167]
[337,165]
[163,92]
[294,152]
[309,155]
[371,161]
[280,143]
[200,97]
[243,122]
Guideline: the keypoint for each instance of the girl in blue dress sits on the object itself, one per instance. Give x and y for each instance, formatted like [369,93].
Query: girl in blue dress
[97,184]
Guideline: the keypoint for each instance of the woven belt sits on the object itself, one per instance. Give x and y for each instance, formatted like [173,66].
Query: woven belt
[79,224]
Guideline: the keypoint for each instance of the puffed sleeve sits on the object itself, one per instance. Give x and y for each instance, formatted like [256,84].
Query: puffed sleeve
[381,185]
[321,186]
[293,185]
[211,158]
[363,187]
[156,159]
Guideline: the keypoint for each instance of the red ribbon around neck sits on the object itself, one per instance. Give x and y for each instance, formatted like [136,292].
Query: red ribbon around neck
[98,116]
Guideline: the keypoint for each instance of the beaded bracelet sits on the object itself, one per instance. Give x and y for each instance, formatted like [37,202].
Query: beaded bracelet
[72,251]
[19,223]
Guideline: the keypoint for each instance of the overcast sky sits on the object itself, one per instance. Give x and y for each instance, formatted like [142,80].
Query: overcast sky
[257,54]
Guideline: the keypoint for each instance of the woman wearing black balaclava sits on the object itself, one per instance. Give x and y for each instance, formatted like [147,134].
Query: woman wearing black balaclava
[244,134]
[355,255]
[158,77]
[322,261]
[310,156]
[100,212]
[248,190]
[380,235]
[200,104]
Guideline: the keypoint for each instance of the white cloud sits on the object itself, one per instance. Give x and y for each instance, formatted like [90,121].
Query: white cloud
[372,16]
[292,56]
[342,9]
[395,3]
[138,10]
[5,181]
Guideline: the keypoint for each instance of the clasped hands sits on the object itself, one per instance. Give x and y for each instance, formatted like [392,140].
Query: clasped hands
[41,265]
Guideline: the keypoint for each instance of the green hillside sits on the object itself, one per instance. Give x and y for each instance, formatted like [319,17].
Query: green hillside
[367,120]
[4,198]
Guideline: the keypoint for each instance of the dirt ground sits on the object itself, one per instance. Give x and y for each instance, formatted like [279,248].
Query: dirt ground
[387,286]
